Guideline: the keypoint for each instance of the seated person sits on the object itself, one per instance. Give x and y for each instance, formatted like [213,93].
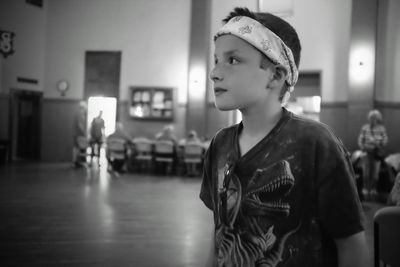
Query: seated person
[190,157]
[191,138]
[116,155]
[167,133]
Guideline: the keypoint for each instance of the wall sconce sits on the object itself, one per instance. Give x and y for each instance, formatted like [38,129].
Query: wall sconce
[361,68]
[197,82]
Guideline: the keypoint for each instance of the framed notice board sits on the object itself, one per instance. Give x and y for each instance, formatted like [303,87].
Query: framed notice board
[151,103]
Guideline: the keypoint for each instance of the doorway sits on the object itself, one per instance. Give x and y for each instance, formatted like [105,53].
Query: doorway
[108,105]
[25,124]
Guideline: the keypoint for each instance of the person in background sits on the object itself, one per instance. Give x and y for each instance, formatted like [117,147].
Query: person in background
[192,137]
[281,187]
[117,151]
[120,133]
[167,133]
[191,152]
[372,140]
[97,128]
[80,135]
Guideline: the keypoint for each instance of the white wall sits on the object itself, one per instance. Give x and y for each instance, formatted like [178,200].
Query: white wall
[324,31]
[153,36]
[28,22]
[388,69]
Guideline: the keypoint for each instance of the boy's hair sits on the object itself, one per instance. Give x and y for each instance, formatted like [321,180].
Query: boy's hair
[278,26]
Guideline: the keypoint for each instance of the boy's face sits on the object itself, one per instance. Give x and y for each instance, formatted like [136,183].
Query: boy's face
[239,81]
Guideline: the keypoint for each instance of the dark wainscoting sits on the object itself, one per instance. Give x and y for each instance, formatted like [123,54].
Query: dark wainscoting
[58,116]
[391,119]
[4,115]
[334,114]
[57,129]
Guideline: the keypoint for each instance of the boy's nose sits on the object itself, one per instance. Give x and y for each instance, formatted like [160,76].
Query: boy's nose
[215,75]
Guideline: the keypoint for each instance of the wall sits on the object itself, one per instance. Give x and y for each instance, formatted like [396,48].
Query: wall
[388,50]
[153,37]
[28,22]
[387,93]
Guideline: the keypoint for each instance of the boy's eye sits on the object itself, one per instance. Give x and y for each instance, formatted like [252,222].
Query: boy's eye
[233,60]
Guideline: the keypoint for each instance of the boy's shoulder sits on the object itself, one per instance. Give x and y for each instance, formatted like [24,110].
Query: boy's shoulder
[227,132]
[310,127]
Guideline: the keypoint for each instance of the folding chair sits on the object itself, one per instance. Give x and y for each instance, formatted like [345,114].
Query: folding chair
[387,236]
[116,153]
[142,154]
[80,151]
[164,155]
[192,157]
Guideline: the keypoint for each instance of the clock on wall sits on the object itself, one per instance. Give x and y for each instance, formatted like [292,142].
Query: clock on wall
[62,87]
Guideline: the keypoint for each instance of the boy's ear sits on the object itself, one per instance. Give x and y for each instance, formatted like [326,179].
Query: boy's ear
[278,78]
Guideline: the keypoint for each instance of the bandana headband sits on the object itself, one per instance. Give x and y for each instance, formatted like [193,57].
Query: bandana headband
[264,40]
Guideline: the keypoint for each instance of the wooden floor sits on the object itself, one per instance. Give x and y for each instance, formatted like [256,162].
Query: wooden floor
[54,215]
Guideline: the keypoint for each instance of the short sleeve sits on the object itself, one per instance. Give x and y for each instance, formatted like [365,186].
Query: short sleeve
[206,185]
[339,208]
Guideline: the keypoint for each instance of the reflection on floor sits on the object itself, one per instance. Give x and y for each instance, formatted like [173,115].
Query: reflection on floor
[53,215]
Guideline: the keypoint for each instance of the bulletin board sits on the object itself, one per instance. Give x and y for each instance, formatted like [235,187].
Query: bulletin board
[151,103]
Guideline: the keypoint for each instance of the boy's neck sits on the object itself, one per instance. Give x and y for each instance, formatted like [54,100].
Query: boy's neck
[261,122]
[256,125]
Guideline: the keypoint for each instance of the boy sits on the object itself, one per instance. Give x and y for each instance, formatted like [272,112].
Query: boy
[280,186]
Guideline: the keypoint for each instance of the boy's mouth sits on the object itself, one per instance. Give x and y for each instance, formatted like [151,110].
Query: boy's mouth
[218,91]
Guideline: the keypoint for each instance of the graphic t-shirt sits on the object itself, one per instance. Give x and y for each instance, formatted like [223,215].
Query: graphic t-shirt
[285,200]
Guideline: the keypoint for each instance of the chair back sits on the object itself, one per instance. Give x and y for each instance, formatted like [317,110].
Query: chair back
[164,147]
[116,148]
[143,148]
[193,152]
[387,236]
[164,151]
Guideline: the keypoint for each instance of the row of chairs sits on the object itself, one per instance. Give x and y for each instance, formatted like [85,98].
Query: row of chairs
[164,155]
[142,154]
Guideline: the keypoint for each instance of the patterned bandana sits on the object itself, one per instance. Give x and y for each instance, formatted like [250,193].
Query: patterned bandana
[264,40]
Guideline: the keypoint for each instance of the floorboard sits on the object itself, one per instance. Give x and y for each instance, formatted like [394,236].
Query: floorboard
[54,215]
